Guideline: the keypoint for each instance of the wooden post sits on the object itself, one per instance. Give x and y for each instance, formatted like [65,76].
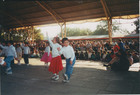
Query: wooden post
[65,35]
[109,19]
[32,27]
[110,30]
[61,31]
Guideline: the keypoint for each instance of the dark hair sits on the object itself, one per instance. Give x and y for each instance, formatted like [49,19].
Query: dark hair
[18,45]
[26,43]
[65,39]
[10,41]
[120,40]
[48,43]
[57,39]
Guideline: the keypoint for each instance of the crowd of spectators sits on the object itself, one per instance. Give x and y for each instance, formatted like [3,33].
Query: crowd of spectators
[100,50]
[103,50]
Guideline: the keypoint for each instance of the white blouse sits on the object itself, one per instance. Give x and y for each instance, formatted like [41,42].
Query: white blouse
[47,49]
[55,52]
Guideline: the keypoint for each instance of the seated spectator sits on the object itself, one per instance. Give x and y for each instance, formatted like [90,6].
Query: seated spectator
[108,56]
[135,56]
[77,54]
[116,48]
[89,55]
[82,57]
[86,55]
[112,54]
[93,56]
[97,54]
[104,56]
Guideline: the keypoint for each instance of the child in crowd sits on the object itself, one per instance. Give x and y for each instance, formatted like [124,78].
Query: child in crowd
[104,56]
[47,57]
[89,55]
[19,53]
[11,54]
[93,57]
[68,53]
[26,50]
[86,55]
[82,57]
[77,54]
[97,55]
[56,62]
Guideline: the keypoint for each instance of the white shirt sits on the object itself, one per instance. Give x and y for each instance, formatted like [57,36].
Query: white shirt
[10,50]
[26,50]
[68,52]
[55,52]
[47,49]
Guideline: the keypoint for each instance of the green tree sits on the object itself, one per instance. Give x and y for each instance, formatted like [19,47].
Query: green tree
[21,35]
[77,32]
[38,35]
[102,29]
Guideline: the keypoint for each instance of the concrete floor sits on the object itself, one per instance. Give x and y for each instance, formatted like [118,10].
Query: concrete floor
[88,78]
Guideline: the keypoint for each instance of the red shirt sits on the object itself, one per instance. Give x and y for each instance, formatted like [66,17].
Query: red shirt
[116,48]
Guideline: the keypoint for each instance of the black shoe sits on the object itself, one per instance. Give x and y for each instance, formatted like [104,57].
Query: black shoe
[107,65]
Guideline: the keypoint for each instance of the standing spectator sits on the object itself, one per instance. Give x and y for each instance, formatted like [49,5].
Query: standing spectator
[19,53]
[121,45]
[26,50]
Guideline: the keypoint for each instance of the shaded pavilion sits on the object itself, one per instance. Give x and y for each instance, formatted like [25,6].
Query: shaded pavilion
[25,14]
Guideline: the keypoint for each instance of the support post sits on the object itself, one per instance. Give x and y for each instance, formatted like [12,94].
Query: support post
[61,31]
[110,30]
[32,27]
[109,19]
[65,32]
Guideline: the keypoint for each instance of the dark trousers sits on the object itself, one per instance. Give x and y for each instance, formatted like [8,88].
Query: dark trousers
[26,58]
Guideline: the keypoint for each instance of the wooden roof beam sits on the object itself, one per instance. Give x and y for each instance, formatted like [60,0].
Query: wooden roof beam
[107,8]
[54,12]
[107,13]
[14,18]
[47,11]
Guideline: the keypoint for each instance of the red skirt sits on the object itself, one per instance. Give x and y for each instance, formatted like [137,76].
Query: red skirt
[56,65]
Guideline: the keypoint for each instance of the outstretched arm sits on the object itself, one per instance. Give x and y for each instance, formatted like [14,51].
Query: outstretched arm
[51,43]
[4,47]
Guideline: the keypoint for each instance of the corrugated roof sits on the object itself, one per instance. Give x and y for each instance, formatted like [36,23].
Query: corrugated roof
[27,13]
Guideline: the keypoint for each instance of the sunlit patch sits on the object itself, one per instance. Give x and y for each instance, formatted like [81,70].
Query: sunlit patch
[135,67]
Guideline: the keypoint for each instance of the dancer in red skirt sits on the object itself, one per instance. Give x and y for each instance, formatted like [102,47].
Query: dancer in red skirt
[47,57]
[56,62]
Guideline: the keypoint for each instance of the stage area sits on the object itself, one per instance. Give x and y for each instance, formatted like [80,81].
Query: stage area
[89,77]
